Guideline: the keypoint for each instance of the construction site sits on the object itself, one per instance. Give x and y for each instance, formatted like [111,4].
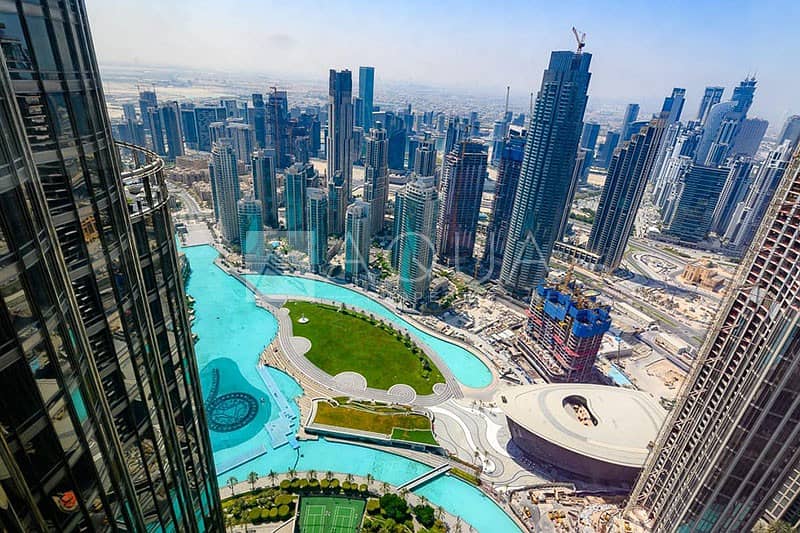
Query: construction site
[565,329]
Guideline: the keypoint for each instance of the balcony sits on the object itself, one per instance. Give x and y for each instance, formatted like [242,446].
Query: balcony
[143,178]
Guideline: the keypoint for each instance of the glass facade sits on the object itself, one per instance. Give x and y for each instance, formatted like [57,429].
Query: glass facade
[95,335]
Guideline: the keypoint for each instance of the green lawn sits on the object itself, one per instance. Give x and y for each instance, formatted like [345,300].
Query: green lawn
[347,341]
[396,423]
[325,514]
[424,436]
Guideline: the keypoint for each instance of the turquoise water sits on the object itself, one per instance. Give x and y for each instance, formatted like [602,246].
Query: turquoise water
[619,378]
[467,368]
[232,333]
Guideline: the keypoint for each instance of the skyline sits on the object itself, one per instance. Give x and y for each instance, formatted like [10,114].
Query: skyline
[271,41]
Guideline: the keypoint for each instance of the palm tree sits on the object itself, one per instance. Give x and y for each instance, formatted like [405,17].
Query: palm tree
[252,478]
[349,478]
[272,475]
[232,481]
[370,479]
[328,475]
[311,474]
[423,500]
[385,486]
[292,473]
[439,512]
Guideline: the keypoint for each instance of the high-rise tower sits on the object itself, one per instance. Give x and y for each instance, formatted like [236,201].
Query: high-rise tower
[461,190]
[356,241]
[376,177]
[550,150]
[366,87]
[265,186]
[698,193]
[225,179]
[729,453]
[711,97]
[416,208]
[95,328]
[631,115]
[505,190]
[317,220]
[622,193]
[340,134]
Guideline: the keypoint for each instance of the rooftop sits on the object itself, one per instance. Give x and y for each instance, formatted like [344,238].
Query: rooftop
[609,424]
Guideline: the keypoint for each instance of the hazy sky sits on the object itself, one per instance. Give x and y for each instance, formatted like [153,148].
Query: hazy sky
[641,49]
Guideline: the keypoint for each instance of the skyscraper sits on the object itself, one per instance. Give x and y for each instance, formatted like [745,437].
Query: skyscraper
[317,220]
[189,126]
[728,454]
[265,186]
[277,128]
[147,100]
[340,133]
[299,178]
[461,190]
[251,227]
[376,177]
[748,138]
[258,120]
[156,131]
[416,209]
[204,117]
[357,239]
[541,195]
[790,131]
[425,158]
[673,105]
[736,186]
[749,212]
[89,440]
[173,130]
[711,97]
[622,193]
[589,136]
[225,177]
[698,194]
[606,150]
[366,86]
[504,192]
[631,115]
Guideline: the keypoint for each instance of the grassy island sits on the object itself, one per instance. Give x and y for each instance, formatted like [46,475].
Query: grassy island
[344,340]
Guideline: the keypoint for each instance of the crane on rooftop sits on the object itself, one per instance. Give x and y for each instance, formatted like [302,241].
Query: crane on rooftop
[581,38]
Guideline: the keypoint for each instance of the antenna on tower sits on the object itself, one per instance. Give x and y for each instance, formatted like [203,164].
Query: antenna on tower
[581,38]
[508,91]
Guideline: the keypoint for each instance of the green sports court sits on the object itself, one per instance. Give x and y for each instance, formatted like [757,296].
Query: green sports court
[330,514]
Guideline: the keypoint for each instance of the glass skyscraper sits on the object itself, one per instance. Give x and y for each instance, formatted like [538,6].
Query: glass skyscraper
[366,87]
[544,182]
[102,415]
[622,193]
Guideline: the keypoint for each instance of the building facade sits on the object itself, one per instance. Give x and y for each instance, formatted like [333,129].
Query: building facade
[376,177]
[622,193]
[730,450]
[265,186]
[547,166]
[416,210]
[226,190]
[697,195]
[461,190]
[503,202]
[317,220]
[366,88]
[357,238]
[340,134]
[93,317]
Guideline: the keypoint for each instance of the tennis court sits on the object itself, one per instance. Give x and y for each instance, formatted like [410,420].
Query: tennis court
[330,514]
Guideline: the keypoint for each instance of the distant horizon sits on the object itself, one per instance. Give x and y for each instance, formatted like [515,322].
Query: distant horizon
[640,52]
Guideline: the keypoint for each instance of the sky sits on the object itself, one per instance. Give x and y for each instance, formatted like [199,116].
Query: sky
[641,49]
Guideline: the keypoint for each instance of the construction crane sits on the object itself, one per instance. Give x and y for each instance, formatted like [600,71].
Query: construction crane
[581,38]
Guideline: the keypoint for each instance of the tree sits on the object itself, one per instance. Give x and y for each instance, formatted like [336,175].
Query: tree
[311,474]
[349,478]
[385,486]
[328,475]
[252,478]
[425,515]
[232,481]
[292,473]
[394,507]
[272,475]
[370,479]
